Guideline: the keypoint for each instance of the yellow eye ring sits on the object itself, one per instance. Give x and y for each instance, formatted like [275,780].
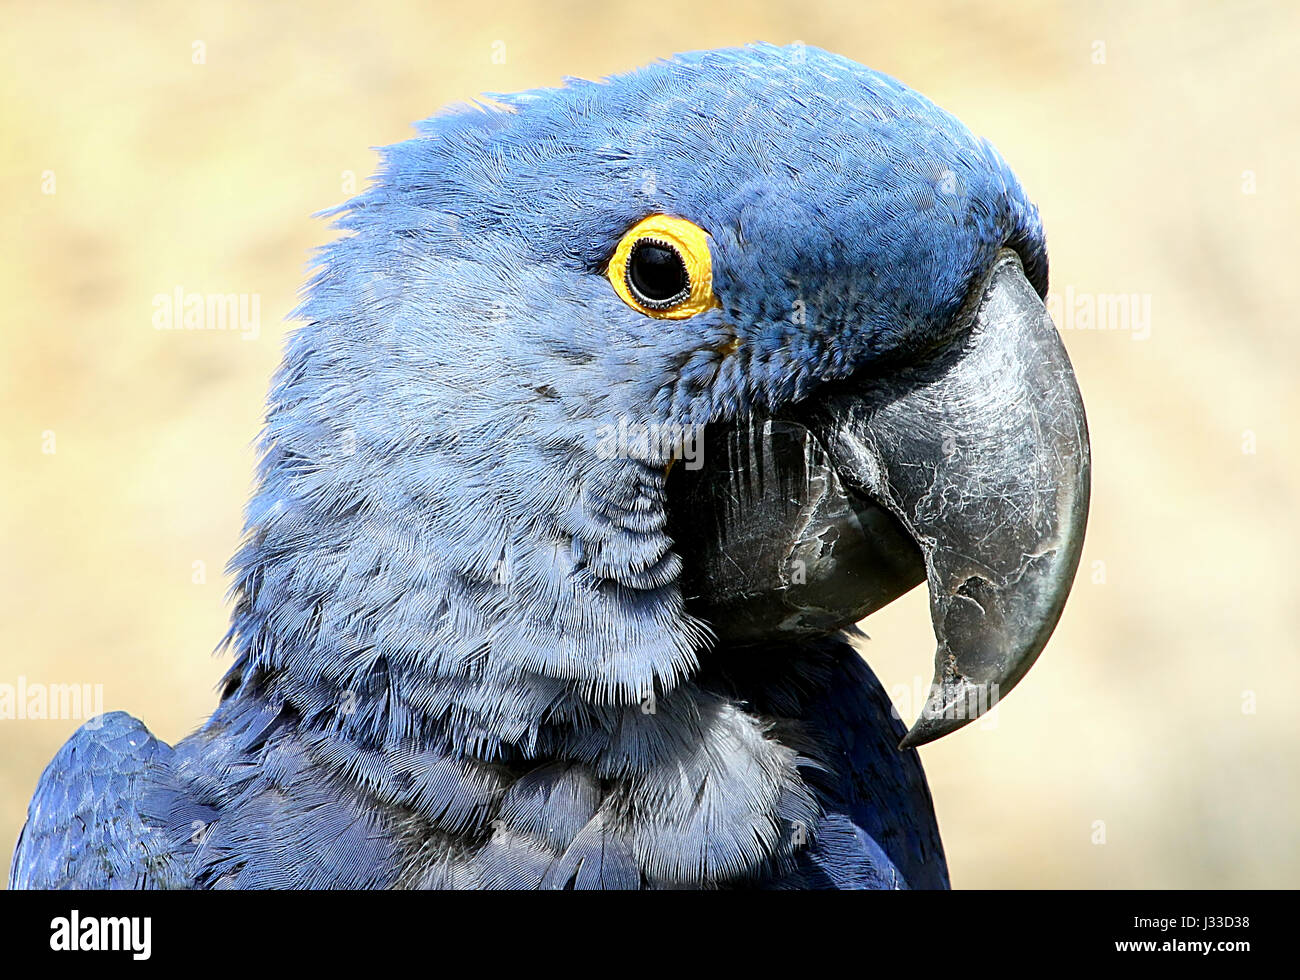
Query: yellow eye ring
[662,268]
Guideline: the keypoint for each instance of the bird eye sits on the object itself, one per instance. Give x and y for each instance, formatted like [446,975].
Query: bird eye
[662,268]
[656,274]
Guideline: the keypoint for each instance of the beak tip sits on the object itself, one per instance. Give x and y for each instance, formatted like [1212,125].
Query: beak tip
[925,731]
[953,703]
[911,740]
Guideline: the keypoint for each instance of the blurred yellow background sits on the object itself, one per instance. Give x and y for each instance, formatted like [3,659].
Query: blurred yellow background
[153,146]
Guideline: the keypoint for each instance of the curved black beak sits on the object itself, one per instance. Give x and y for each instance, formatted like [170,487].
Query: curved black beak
[968,470]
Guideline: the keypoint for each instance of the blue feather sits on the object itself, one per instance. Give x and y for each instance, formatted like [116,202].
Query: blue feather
[462,655]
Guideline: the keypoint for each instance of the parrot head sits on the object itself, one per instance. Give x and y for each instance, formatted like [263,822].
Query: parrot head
[730,350]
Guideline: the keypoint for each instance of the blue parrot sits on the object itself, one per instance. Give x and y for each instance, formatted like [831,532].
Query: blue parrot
[613,408]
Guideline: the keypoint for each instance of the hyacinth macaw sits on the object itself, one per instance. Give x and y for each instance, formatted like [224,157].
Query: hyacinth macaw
[614,409]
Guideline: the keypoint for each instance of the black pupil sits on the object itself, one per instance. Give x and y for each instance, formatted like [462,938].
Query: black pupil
[657,273]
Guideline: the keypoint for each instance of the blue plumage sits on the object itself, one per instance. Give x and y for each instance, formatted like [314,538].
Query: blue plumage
[462,655]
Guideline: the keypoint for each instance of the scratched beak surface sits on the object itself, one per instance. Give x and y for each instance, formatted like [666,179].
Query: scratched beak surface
[969,471]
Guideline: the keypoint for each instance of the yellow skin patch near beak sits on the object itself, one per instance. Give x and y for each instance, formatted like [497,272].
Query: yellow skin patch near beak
[691,245]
